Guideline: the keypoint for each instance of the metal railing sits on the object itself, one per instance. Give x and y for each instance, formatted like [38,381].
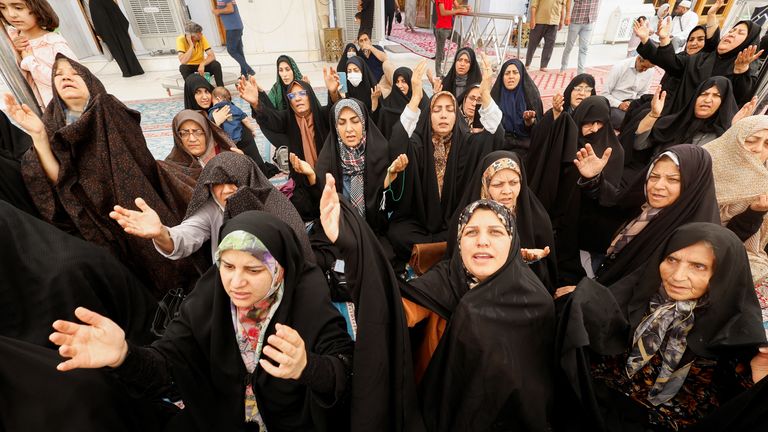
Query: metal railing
[481,33]
[12,75]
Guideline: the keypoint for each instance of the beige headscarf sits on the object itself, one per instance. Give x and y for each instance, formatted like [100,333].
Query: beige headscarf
[740,177]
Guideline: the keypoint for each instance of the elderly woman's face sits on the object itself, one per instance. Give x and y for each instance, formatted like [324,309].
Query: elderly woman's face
[685,273]
[511,77]
[484,244]
[664,184]
[246,279]
[462,64]
[285,72]
[222,191]
[70,86]
[757,144]
[505,187]
[203,97]
[579,93]
[735,37]
[470,102]
[443,115]
[193,138]
[349,127]
[707,103]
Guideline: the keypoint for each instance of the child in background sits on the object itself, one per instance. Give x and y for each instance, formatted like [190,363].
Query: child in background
[32,23]
[233,125]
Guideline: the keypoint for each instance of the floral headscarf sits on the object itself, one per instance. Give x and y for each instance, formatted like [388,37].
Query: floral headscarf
[501,164]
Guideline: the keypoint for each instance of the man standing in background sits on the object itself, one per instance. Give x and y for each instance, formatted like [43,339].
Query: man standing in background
[547,17]
[230,19]
[444,27]
[580,17]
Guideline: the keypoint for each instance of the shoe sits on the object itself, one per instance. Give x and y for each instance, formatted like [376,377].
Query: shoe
[543,70]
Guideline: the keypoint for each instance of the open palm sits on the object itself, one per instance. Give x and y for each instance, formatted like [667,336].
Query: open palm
[144,223]
[587,162]
[330,209]
[23,115]
[97,343]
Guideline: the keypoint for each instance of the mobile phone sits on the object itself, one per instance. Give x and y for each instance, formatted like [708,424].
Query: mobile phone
[343,82]
[476,123]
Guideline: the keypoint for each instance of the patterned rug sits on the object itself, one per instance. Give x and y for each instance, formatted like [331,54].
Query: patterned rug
[420,42]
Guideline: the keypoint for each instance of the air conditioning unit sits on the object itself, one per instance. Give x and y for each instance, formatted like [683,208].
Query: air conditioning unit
[157,22]
[621,22]
[345,18]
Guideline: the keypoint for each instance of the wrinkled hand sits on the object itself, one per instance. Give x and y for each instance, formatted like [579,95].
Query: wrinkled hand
[24,116]
[624,106]
[657,103]
[564,290]
[144,223]
[96,344]
[759,365]
[330,209]
[286,348]
[332,80]
[221,114]
[745,111]
[529,117]
[745,58]
[558,104]
[587,162]
[249,90]
[760,204]
[642,31]
[532,255]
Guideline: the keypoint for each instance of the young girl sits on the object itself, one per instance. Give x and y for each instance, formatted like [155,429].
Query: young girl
[32,23]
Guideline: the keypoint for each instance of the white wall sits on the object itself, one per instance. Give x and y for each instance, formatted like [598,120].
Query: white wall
[284,26]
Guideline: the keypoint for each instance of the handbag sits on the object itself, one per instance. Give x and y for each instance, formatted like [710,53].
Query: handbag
[426,255]
[398,17]
[167,310]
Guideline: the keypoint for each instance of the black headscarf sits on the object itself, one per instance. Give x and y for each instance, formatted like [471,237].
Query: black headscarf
[604,318]
[532,221]
[681,126]
[112,27]
[584,78]
[503,327]
[670,82]
[191,84]
[593,109]
[254,192]
[47,273]
[342,66]
[697,203]
[705,64]
[393,105]
[473,76]
[510,101]
[376,163]
[14,142]
[363,90]
[202,352]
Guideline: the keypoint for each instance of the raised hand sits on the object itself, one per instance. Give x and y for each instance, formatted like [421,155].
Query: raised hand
[396,167]
[665,29]
[715,7]
[760,204]
[286,348]
[417,86]
[144,223]
[745,58]
[330,209]
[529,117]
[487,82]
[657,103]
[249,90]
[96,344]
[332,81]
[558,104]
[532,255]
[305,78]
[436,82]
[221,114]
[24,116]
[642,31]
[587,162]
[300,166]
[745,111]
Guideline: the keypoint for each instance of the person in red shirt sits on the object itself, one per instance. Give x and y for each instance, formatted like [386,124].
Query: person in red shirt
[444,27]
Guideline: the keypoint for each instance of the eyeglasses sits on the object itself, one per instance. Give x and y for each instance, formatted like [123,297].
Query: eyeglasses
[294,95]
[583,89]
[475,99]
[185,133]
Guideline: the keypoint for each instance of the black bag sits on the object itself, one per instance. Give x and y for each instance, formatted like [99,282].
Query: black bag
[398,16]
[167,310]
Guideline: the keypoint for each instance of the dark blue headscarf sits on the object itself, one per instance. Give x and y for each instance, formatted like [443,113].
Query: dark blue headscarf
[513,101]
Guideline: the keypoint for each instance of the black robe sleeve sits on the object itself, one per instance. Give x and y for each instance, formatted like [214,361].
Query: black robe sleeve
[746,224]
[269,118]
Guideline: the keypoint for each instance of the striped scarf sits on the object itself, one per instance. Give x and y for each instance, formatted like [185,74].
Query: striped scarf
[633,228]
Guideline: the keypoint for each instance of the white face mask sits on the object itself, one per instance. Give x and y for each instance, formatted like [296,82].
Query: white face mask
[355,78]
[351,54]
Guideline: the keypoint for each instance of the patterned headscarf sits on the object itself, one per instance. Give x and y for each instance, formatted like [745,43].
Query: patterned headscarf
[504,215]
[352,159]
[250,323]
[669,321]
[441,144]
[501,164]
